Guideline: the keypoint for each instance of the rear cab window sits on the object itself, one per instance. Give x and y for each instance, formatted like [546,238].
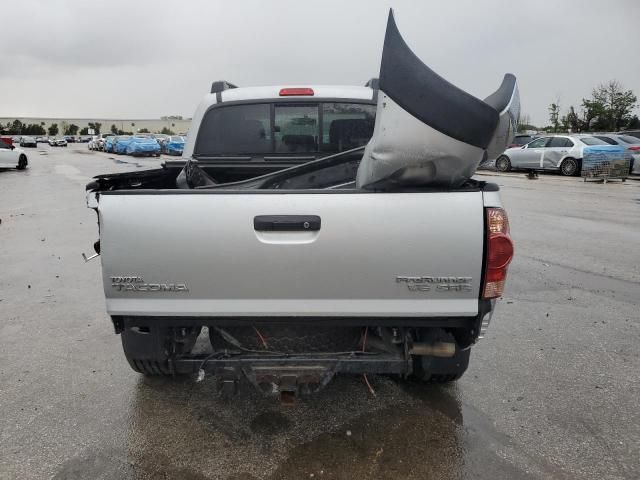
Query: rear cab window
[284,129]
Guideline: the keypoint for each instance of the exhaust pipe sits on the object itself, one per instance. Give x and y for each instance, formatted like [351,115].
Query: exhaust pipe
[434,349]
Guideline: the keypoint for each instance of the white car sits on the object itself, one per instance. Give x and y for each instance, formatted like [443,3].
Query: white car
[557,152]
[93,143]
[12,157]
[57,142]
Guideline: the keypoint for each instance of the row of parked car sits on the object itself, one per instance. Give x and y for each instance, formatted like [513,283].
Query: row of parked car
[564,153]
[138,145]
[32,142]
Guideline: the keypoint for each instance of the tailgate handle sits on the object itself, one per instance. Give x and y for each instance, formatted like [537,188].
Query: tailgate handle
[286,223]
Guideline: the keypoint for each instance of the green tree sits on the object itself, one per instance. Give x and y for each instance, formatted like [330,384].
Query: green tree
[33,129]
[166,131]
[592,111]
[53,129]
[84,131]
[554,115]
[524,123]
[71,130]
[96,127]
[16,127]
[618,103]
[143,130]
[114,129]
[572,120]
[609,107]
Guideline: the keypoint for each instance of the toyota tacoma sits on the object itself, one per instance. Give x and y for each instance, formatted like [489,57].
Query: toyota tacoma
[314,231]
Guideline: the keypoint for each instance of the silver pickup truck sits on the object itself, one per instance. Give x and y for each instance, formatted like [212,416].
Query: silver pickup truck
[301,266]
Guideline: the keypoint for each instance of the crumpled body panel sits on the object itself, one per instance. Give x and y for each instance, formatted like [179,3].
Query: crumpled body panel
[428,132]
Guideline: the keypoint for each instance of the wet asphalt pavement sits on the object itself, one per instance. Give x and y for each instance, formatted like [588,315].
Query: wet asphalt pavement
[552,392]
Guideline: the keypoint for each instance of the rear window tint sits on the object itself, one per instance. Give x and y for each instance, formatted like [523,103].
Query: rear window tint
[629,139]
[522,140]
[299,128]
[235,130]
[296,128]
[608,140]
[346,126]
[592,141]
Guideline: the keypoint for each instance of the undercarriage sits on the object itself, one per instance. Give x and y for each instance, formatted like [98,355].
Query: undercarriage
[287,357]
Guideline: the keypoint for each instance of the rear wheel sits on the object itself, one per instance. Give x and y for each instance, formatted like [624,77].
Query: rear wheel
[22,162]
[569,167]
[429,369]
[149,349]
[503,164]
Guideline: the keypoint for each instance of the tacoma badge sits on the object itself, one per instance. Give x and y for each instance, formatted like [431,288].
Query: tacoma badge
[132,283]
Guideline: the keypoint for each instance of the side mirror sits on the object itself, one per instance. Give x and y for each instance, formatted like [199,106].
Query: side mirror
[13,147]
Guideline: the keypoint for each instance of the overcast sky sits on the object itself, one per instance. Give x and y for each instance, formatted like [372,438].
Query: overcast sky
[145,59]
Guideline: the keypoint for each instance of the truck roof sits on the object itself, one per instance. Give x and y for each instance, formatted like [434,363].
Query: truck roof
[314,93]
[351,92]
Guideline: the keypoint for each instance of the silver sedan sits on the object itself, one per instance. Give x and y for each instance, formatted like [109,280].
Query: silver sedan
[558,152]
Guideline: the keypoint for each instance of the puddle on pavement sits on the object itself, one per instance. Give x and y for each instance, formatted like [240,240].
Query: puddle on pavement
[182,429]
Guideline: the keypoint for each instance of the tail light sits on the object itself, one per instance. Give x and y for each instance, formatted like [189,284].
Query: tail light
[296,92]
[635,148]
[499,253]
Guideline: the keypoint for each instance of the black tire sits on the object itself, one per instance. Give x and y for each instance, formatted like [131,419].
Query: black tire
[22,162]
[428,369]
[289,339]
[503,164]
[441,370]
[148,349]
[569,167]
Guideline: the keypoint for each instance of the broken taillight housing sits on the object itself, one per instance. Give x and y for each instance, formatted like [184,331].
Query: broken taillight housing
[499,253]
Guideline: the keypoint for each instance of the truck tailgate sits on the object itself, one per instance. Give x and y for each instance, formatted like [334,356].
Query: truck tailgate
[204,253]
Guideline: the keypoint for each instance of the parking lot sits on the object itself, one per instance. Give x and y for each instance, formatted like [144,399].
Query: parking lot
[553,391]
